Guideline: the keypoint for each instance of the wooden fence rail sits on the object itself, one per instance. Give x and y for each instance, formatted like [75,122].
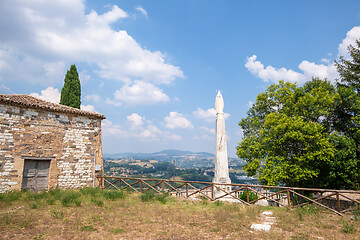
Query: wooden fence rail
[337,201]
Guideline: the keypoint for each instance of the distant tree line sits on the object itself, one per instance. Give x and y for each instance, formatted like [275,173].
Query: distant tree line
[307,136]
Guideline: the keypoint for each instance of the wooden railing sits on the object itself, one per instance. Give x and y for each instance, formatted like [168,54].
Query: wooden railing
[337,201]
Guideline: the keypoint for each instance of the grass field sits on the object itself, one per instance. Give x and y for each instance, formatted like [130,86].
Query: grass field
[98,214]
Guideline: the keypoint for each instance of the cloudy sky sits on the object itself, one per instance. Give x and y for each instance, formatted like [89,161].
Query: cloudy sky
[153,67]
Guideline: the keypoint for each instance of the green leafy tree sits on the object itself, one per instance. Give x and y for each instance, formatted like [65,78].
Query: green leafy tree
[347,114]
[348,111]
[290,137]
[71,91]
[349,69]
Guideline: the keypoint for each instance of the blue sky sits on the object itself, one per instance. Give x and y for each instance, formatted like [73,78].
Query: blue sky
[153,67]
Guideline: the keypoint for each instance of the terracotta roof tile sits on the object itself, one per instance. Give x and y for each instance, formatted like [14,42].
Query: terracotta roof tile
[23,100]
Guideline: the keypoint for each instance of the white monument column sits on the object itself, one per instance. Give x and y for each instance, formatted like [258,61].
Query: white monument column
[221,159]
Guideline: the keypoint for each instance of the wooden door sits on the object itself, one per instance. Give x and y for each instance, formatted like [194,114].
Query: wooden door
[36,175]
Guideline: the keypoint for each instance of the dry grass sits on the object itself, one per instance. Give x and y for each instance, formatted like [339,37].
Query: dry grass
[132,218]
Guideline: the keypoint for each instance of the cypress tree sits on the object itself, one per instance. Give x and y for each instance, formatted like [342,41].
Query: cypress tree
[71,91]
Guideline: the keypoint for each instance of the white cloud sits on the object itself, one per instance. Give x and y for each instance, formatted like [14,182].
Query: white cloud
[53,95]
[50,94]
[208,130]
[350,39]
[110,129]
[140,92]
[309,69]
[318,70]
[177,120]
[270,73]
[93,97]
[142,10]
[138,130]
[208,115]
[135,119]
[112,102]
[275,74]
[325,60]
[89,108]
[53,34]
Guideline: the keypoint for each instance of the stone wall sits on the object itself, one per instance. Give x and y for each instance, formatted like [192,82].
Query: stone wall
[71,142]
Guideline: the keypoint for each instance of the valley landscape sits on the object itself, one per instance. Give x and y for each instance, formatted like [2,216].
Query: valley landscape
[188,166]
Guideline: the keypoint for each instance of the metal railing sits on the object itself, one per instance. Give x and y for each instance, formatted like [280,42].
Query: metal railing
[337,201]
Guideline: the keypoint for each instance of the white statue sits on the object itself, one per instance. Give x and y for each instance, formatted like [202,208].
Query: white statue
[221,159]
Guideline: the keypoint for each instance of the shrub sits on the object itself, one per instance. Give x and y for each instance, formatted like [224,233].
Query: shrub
[56,193]
[33,206]
[162,198]
[35,195]
[97,202]
[77,202]
[69,197]
[50,201]
[40,195]
[11,196]
[113,194]
[147,196]
[252,196]
[91,191]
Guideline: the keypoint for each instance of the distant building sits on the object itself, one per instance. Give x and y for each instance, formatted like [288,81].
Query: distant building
[45,145]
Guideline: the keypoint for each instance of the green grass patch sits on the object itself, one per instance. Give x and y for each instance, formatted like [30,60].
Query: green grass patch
[69,197]
[348,228]
[97,202]
[117,230]
[57,214]
[33,205]
[87,228]
[147,196]
[11,196]
[161,198]
[113,194]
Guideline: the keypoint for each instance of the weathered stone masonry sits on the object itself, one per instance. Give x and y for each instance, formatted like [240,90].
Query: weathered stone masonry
[70,138]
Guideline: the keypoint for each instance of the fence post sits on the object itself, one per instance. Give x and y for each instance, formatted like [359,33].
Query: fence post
[163,187]
[212,191]
[119,183]
[338,201]
[288,197]
[187,190]
[247,194]
[141,181]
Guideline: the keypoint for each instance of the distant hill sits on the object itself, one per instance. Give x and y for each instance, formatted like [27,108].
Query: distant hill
[184,159]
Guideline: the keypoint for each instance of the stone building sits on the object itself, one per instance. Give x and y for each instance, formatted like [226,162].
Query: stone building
[45,145]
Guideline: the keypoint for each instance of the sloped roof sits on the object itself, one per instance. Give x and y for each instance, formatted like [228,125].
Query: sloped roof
[23,100]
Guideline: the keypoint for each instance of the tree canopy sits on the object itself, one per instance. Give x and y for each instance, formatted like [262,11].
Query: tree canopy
[71,91]
[306,136]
